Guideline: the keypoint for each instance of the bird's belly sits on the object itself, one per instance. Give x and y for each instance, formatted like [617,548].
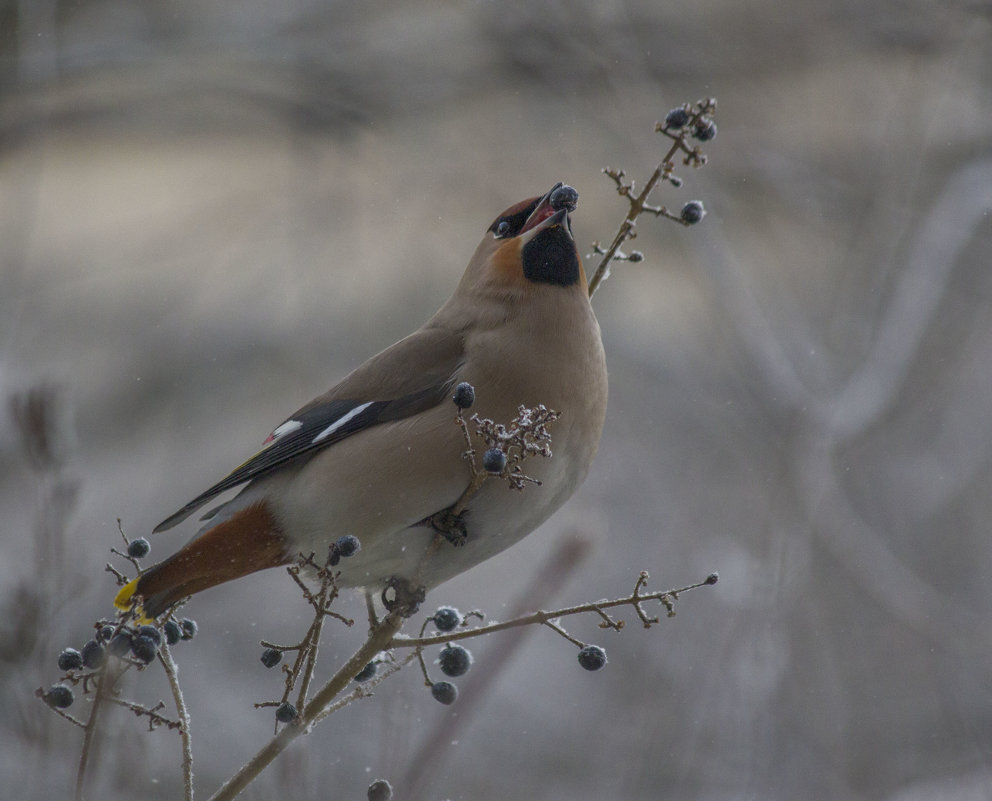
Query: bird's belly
[385,510]
[384,507]
[423,557]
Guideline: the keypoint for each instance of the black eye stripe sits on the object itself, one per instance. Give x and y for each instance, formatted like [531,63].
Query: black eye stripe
[514,217]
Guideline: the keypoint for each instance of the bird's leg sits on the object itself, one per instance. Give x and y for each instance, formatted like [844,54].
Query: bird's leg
[450,522]
[370,608]
[527,435]
[449,525]
[401,595]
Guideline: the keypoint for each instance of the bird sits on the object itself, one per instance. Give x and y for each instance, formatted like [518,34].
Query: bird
[379,455]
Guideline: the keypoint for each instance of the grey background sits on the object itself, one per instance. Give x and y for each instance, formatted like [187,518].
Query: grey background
[210,212]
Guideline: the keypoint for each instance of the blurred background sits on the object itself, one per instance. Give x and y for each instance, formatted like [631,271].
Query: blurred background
[210,212]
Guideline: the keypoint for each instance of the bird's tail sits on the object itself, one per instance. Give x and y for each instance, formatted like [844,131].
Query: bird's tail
[248,541]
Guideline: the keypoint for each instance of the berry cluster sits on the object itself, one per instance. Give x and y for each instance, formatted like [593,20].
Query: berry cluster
[320,599]
[681,125]
[136,645]
[454,660]
[703,128]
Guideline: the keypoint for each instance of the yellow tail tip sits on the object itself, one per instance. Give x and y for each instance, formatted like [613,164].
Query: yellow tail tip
[125,594]
[124,601]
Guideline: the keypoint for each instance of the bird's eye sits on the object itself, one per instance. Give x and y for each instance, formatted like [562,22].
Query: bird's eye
[502,229]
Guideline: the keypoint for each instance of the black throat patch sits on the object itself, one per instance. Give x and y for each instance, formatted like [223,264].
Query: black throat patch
[551,258]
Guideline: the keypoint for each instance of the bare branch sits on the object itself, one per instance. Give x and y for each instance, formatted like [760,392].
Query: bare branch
[378,641]
[693,121]
[666,598]
[172,672]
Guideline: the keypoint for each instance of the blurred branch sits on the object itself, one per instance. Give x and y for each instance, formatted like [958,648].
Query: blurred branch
[947,229]
[864,399]
[44,421]
[90,730]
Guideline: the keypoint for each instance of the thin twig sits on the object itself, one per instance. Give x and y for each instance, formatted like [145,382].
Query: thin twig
[370,609]
[542,617]
[478,479]
[365,690]
[378,640]
[642,581]
[172,672]
[40,692]
[609,622]
[300,676]
[152,713]
[544,584]
[551,624]
[313,644]
[639,204]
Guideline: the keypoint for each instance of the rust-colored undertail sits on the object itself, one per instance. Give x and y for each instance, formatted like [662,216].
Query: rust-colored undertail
[249,541]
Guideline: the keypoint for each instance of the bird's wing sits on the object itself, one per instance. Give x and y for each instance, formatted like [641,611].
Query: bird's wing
[415,374]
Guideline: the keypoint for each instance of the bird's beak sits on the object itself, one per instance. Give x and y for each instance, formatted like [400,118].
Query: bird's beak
[555,219]
[546,210]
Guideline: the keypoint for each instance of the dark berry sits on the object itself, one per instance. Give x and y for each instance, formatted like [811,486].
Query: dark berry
[692,212]
[455,660]
[447,618]
[271,657]
[70,659]
[93,654]
[712,578]
[635,255]
[348,545]
[189,628]
[704,130]
[144,648]
[105,633]
[445,692]
[675,181]
[592,657]
[120,644]
[676,118]
[564,197]
[286,712]
[380,790]
[494,460]
[464,395]
[152,632]
[367,673]
[173,632]
[139,548]
[59,696]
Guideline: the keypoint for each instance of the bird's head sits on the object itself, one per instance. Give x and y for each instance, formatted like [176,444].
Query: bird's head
[531,243]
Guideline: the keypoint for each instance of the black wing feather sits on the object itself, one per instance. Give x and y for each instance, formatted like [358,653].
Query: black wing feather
[306,439]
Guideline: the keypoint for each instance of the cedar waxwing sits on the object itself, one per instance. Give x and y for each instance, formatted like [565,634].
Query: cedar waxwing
[380,453]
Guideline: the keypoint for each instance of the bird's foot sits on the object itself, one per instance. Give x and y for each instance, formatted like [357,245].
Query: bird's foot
[401,595]
[449,525]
